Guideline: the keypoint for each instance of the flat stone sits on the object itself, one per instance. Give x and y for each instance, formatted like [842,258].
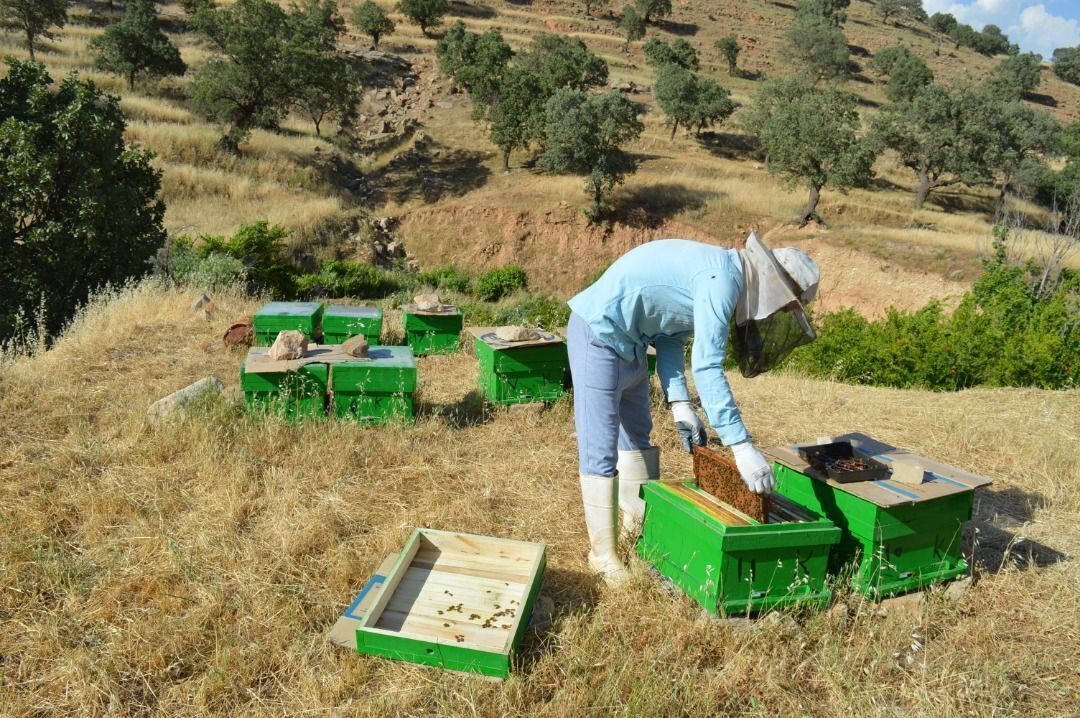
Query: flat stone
[958,590]
[355,346]
[910,604]
[516,334]
[290,344]
[172,405]
[531,408]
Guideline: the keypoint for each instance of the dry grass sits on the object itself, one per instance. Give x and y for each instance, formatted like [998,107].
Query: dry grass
[196,569]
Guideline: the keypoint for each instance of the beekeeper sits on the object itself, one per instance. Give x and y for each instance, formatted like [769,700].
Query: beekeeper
[662,293]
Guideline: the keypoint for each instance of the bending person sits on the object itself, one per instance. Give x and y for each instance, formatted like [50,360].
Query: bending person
[662,293]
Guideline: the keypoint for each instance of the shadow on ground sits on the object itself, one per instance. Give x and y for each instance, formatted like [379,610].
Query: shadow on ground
[430,172]
[996,532]
[730,145]
[649,207]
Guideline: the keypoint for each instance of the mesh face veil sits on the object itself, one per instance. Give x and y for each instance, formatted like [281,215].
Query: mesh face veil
[770,320]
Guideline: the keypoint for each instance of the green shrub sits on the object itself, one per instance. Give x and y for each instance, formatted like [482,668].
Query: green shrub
[1007,331]
[210,273]
[339,278]
[447,277]
[256,254]
[497,283]
[528,311]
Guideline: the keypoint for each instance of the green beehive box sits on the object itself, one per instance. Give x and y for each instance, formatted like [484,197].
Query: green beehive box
[533,372]
[294,395]
[276,317]
[377,390]
[730,563]
[341,322]
[895,537]
[434,333]
[455,601]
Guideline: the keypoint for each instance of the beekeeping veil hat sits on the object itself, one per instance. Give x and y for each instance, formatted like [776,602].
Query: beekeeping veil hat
[770,316]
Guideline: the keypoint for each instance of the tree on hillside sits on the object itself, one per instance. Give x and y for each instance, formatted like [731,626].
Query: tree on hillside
[652,10]
[633,25]
[689,99]
[425,13]
[907,72]
[373,21]
[331,90]
[519,118]
[476,62]
[819,48]
[136,45]
[943,22]
[931,133]
[1011,134]
[898,8]
[584,134]
[562,62]
[591,5]
[729,48]
[34,18]
[1067,64]
[992,41]
[832,11]
[772,95]
[1018,75]
[814,141]
[659,53]
[78,207]
[267,59]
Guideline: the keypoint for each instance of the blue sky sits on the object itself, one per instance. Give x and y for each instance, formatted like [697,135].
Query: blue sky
[1036,25]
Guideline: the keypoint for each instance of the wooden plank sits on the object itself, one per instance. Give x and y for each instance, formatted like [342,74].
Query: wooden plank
[449,567]
[534,579]
[459,586]
[493,560]
[489,639]
[393,579]
[485,546]
[714,508]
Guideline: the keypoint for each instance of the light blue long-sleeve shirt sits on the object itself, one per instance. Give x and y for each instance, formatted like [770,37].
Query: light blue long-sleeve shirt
[661,293]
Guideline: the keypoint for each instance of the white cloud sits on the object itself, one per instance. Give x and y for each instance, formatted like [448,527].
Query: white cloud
[1026,22]
[1043,33]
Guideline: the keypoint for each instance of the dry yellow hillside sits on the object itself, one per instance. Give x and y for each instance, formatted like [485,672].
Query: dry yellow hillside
[195,569]
[441,179]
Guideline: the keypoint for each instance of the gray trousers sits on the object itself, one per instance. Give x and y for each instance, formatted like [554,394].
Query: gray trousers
[611,401]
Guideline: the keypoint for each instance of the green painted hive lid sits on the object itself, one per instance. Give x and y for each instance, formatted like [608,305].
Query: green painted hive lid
[352,312]
[289,309]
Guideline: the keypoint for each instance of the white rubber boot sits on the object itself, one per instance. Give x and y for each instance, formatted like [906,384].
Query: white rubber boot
[598,494]
[635,468]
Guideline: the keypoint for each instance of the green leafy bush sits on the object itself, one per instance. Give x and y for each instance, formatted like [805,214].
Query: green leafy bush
[447,277]
[210,273]
[339,278]
[528,311]
[1009,330]
[499,282]
[256,249]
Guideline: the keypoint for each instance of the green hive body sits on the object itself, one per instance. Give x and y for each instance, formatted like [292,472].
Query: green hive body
[377,390]
[341,322]
[891,549]
[276,317]
[434,333]
[735,569]
[293,395]
[524,375]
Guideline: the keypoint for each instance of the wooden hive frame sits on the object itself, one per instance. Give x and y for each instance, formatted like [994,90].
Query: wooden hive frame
[455,600]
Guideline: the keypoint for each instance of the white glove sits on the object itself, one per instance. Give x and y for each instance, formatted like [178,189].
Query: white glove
[755,470]
[690,427]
